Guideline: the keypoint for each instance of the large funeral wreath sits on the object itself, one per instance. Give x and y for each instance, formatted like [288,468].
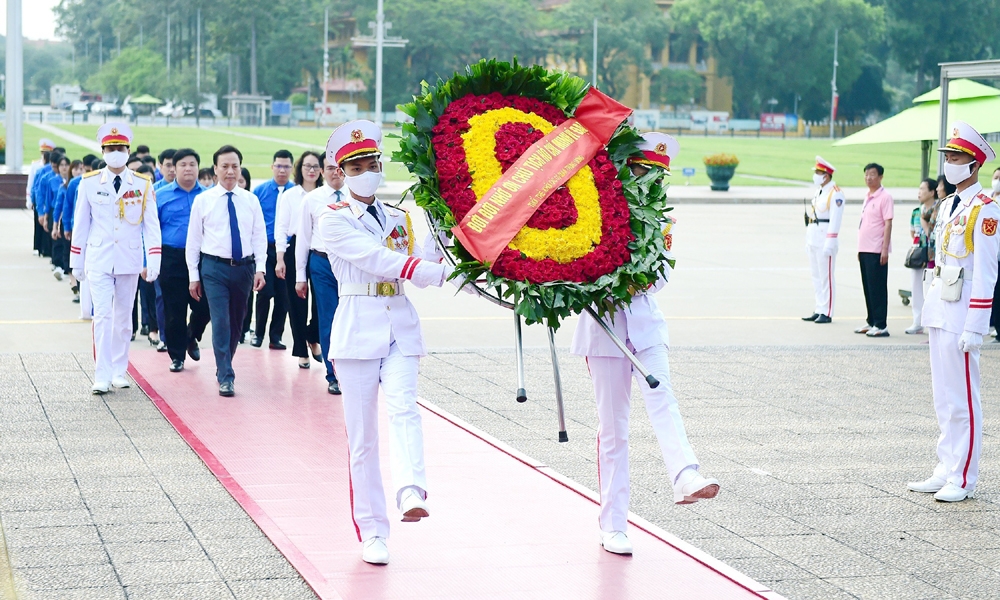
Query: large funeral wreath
[592,242]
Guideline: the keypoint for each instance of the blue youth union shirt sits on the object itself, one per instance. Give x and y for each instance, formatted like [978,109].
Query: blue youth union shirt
[173,207]
[267,193]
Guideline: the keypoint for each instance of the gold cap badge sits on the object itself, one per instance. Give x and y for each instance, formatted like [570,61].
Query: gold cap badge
[661,148]
[954,132]
[357,135]
[114,131]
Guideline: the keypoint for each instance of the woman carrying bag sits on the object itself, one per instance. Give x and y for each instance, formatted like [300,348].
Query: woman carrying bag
[921,229]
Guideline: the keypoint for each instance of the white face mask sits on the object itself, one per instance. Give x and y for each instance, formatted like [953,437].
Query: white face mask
[364,184]
[956,174]
[117,159]
[996,186]
[818,179]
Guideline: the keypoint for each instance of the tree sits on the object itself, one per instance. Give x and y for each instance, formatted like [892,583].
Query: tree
[921,35]
[626,33]
[867,95]
[675,86]
[133,73]
[780,48]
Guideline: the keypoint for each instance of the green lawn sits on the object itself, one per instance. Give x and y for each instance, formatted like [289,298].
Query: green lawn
[791,158]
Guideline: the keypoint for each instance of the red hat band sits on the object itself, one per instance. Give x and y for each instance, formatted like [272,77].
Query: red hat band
[114,140]
[960,145]
[824,168]
[348,151]
[652,158]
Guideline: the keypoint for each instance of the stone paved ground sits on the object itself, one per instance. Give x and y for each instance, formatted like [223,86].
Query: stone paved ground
[813,447]
[100,498]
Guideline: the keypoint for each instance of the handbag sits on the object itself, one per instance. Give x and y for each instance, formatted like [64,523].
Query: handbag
[916,258]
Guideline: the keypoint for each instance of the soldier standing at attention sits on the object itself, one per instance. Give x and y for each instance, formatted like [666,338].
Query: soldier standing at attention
[957,313]
[115,219]
[822,229]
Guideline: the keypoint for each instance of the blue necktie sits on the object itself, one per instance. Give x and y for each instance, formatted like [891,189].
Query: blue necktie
[338,195]
[234,229]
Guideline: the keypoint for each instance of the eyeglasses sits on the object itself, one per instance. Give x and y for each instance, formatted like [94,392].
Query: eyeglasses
[310,167]
[282,167]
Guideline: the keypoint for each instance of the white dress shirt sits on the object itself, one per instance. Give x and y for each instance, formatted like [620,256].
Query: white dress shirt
[208,230]
[286,220]
[314,204]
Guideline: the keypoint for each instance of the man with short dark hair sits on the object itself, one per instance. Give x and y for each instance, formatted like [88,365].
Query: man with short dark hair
[142,150]
[165,173]
[267,193]
[226,249]
[174,202]
[874,238]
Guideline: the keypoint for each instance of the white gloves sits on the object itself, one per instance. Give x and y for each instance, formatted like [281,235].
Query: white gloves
[431,253]
[970,341]
[151,275]
[459,282]
[78,273]
[830,247]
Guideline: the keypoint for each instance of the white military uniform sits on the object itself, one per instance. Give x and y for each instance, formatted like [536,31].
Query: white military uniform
[644,330]
[111,229]
[376,338]
[954,373]
[821,240]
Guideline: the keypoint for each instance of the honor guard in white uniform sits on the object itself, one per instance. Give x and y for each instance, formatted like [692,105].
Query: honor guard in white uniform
[376,338]
[957,311]
[115,228]
[822,228]
[642,327]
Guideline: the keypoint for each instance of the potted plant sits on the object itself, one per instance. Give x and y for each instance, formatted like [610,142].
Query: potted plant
[720,168]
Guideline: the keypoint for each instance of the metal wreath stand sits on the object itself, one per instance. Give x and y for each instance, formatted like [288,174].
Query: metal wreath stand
[522,396]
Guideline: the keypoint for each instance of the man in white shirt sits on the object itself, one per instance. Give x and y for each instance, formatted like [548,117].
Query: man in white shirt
[226,253]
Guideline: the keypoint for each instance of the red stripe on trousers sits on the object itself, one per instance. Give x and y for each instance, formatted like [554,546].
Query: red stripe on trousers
[972,420]
[350,485]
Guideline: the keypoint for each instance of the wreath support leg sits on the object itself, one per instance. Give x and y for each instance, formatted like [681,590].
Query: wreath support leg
[650,380]
[522,395]
[560,414]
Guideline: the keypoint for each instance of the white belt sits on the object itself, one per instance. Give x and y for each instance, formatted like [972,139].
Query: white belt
[381,288]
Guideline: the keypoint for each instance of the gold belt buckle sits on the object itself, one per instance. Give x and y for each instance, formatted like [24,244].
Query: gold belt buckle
[385,289]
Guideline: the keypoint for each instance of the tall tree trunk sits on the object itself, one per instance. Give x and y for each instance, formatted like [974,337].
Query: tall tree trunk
[253,55]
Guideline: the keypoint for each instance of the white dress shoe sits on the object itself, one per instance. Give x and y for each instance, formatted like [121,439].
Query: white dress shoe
[375,551]
[413,506]
[616,542]
[692,487]
[121,382]
[100,387]
[930,485]
[952,493]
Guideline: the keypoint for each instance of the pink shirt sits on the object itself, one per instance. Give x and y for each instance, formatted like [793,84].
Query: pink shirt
[876,211]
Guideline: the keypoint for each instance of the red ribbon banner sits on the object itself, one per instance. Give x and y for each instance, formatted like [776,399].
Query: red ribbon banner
[549,163]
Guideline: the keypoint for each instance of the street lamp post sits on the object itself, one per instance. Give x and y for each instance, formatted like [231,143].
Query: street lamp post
[379,41]
[15,93]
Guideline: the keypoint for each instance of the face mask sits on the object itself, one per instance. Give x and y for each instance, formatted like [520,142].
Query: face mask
[818,179]
[996,186]
[956,174]
[116,160]
[365,184]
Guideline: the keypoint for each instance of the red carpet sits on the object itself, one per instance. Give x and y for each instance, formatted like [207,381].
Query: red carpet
[502,525]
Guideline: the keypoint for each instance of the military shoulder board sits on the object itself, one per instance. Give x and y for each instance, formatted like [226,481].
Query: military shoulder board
[91,173]
[339,205]
[986,199]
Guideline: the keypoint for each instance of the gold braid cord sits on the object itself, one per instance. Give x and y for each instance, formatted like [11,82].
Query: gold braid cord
[121,208]
[970,230]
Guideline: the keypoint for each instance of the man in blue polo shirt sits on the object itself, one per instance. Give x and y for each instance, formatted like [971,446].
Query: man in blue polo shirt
[267,192]
[173,205]
[40,194]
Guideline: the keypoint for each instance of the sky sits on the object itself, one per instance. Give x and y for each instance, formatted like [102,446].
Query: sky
[37,21]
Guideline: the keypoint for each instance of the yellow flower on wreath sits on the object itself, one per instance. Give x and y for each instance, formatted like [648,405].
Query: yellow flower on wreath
[561,245]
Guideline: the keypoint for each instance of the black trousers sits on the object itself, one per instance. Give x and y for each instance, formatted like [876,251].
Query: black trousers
[298,309]
[60,253]
[174,286]
[46,241]
[226,288]
[875,281]
[271,290]
[995,315]
[147,305]
[39,232]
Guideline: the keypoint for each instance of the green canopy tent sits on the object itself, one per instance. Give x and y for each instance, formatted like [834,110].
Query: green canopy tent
[147,99]
[974,103]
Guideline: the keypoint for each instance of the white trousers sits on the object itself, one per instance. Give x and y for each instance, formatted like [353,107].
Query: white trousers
[113,297]
[822,268]
[359,380]
[917,295]
[612,378]
[955,379]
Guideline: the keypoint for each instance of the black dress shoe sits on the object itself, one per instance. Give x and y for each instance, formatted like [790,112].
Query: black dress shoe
[823,319]
[243,338]
[318,357]
[226,389]
[193,350]
[144,330]
[176,366]
[277,346]
[812,317]
[255,341]
[333,388]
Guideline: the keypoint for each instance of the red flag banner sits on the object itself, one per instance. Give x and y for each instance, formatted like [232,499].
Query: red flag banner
[545,166]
